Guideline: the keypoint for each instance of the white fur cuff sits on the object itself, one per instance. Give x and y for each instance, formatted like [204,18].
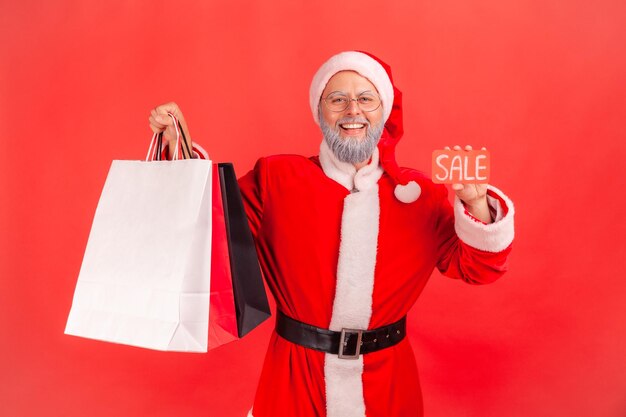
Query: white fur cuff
[493,237]
[199,152]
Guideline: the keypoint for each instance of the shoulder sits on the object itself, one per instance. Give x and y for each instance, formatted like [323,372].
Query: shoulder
[277,163]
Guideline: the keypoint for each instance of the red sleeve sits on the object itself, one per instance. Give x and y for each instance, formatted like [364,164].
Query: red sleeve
[461,260]
[253,186]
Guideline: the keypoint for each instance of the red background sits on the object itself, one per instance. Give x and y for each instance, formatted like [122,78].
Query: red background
[541,84]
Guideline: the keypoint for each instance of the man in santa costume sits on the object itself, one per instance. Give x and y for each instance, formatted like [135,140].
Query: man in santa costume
[347,241]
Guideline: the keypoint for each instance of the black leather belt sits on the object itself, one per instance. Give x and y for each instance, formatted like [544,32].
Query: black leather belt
[353,341]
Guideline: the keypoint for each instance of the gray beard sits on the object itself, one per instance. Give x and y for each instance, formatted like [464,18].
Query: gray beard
[351,150]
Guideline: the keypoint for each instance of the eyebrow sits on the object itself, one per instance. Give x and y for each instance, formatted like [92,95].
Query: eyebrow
[345,94]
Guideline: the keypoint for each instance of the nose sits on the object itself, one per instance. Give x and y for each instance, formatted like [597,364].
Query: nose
[353,107]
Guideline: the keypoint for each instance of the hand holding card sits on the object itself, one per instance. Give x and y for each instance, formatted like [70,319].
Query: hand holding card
[468,172]
[457,166]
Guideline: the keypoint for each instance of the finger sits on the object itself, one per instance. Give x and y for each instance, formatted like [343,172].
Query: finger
[170,107]
[156,126]
[456,148]
[457,187]
[156,120]
[160,115]
[171,124]
[169,134]
[155,129]
[447,148]
[483,149]
[468,147]
[164,120]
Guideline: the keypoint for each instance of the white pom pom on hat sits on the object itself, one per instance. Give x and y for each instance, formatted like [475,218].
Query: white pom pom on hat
[379,74]
[407,193]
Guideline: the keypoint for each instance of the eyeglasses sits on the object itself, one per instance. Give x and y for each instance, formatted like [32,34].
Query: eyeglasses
[338,102]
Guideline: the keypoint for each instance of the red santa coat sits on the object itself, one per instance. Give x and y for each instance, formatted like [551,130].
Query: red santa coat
[339,250]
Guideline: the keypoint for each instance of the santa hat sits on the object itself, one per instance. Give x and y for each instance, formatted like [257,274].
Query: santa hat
[379,74]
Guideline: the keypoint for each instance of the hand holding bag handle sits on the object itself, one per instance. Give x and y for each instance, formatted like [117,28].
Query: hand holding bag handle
[156,144]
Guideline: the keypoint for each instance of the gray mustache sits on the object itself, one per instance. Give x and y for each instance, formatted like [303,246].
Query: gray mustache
[353,120]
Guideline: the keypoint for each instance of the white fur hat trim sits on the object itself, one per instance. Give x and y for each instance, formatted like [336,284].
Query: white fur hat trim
[365,65]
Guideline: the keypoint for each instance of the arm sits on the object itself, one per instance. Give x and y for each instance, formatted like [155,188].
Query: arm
[253,186]
[469,249]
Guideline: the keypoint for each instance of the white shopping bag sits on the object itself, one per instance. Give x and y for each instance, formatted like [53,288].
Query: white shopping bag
[145,276]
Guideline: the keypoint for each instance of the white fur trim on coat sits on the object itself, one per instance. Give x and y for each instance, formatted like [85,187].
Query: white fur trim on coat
[352,307]
[362,63]
[492,237]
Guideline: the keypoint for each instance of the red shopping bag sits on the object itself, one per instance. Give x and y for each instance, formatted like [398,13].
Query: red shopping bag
[222,316]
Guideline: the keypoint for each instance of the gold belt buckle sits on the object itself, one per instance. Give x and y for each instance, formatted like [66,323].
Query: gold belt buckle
[343,343]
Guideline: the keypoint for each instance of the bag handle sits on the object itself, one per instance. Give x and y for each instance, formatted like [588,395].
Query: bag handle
[182,132]
[156,144]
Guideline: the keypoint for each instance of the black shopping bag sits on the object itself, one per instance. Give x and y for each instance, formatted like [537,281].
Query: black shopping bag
[251,305]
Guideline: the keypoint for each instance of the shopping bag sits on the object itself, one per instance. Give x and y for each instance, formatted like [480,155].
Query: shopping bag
[235,270]
[222,315]
[238,299]
[146,272]
[251,305]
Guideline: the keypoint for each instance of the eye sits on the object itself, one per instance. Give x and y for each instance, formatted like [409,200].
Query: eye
[338,99]
[367,97]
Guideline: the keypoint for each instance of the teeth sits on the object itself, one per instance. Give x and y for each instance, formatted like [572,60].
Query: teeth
[352,126]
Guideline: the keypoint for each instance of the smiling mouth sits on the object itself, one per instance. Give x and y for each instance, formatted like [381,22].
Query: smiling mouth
[352,127]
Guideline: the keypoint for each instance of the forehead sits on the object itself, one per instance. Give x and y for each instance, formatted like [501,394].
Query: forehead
[348,81]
